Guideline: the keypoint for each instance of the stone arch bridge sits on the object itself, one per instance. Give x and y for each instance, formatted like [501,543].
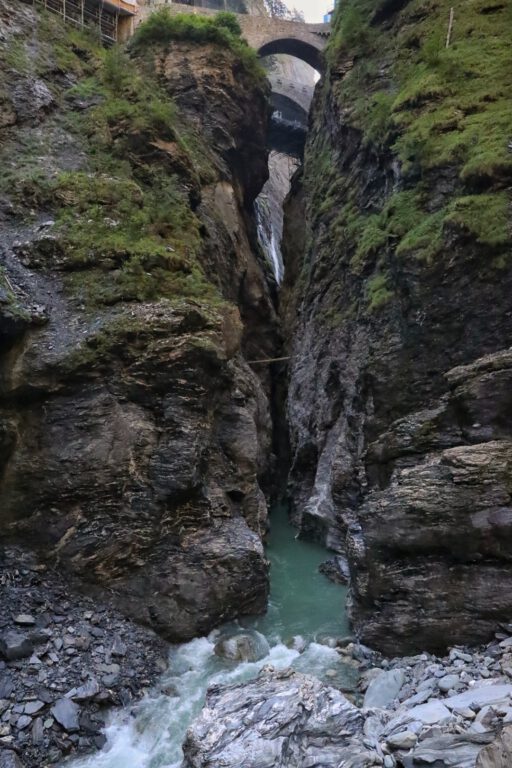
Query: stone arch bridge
[267,35]
[300,94]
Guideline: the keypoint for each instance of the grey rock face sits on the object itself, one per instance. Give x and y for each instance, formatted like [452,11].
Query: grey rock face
[280,720]
[153,447]
[395,404]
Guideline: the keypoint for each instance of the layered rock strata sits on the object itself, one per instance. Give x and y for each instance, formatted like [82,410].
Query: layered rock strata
[451,712]
[134,437]
[397,250]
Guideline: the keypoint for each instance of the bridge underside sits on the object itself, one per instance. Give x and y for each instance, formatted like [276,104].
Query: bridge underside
[288,109]
[293,47]
[286,137]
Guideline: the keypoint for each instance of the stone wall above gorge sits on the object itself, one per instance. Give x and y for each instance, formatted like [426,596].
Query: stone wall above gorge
[134,437]
[398,256]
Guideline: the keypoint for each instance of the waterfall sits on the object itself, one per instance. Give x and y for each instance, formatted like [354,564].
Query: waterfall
[269,209]
[268,237]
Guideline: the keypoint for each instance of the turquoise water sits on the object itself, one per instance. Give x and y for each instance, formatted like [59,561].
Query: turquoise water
[304,609]
[302,601]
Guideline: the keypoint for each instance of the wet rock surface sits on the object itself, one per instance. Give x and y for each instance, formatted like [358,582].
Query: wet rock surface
[281,719]
[80,658]
[449,712]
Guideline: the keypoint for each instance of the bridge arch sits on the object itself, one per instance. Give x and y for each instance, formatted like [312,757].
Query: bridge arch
[290,109]
[293,46]
[267,35]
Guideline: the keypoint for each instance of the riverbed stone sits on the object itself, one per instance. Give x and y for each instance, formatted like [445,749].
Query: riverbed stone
[448,682]
[384,689]
[480,696]
[242,646]
[9,759]
[32,707]
[402,740]
[86,691]
[23,722]
[66,713]
[431,713]
[24,620]
[14,645]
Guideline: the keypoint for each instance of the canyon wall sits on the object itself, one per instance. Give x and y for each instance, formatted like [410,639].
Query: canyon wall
[134,438]
[398,251]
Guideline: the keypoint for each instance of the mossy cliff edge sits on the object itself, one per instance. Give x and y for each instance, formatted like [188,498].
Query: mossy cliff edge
[134,437]
[398,300]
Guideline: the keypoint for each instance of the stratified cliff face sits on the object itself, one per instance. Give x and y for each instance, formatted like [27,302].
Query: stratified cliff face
[133,435]
[398,247]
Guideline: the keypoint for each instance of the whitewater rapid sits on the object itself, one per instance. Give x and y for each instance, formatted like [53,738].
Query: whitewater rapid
[304,608]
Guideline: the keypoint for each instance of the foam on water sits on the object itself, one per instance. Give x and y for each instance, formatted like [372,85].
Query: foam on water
[302,606]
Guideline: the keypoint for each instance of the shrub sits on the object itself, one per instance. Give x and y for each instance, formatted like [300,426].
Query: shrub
[162,27]
[223,29]
[228,21]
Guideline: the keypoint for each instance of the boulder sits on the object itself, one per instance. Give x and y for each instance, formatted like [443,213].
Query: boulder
[13,646]
[480,696]
[444,751]
[384,688]
[243,646]
[280,720]
[499,753]
[66,713]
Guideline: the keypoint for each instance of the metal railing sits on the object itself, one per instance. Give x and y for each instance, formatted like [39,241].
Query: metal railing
[101,16]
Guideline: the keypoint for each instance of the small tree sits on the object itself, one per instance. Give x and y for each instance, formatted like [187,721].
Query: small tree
[280,10]
[228,21]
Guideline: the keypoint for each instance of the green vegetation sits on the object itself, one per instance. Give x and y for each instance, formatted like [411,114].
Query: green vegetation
[144,248]
[128,336]
[443,112]
[379,293]
[486,217]
[443,105]
[127,231]
[16,57]
[223,30]
[9,300]
[125,222]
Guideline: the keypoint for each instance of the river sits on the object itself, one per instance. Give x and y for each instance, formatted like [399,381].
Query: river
[305,609]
